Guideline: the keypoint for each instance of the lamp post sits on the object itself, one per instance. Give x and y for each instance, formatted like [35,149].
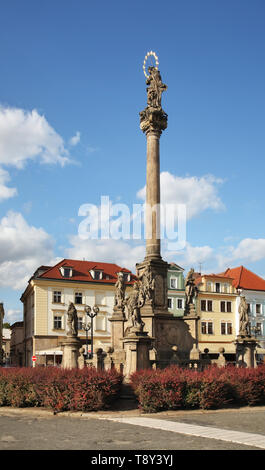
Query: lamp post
[91,315]
[86,327]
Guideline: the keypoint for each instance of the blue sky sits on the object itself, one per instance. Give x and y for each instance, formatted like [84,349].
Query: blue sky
[78,66]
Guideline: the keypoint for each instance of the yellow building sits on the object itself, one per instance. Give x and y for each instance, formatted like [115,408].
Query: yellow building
[217,310]
[46,300]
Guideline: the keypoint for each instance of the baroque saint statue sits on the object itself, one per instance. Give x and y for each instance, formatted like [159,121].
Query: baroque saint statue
[72,329]
[148,283]
[190,290]
[155,89]
[120,292]
[134,302]
[244,324]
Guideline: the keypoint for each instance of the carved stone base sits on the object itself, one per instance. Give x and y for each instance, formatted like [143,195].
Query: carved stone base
[195,353]
[136,347]
[158,269]
[117,328]
[70,347]
[245,351]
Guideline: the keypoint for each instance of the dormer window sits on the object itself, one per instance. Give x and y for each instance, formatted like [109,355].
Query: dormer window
[96,274]
[126,277]
[66,271]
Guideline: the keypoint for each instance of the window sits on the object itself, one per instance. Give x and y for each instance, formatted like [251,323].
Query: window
[248,308]
[207,327]
[217,287]
[66,271]
[79,323]
[100,323]
[100,298]
[96,274]
[206,305]
[57,322]
[78,298]
[170,303]
[57,297]
[173,283]
[226,306]
[259,328]
[179,303]
[226,328]
[258,309]
[209,286]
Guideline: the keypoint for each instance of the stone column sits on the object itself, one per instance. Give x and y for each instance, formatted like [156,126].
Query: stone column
[152,122]
[153,194]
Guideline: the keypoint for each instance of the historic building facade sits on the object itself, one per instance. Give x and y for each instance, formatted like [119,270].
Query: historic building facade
[17,344]
[252,287]
[176,290]
[216,306]
[46,300]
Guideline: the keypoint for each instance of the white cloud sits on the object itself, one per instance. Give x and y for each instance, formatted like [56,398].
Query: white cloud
[75,139]
[23,249]
[13,315]
[248,250]
[197,193]
[218,259]
[26,135]
[110,251]
[5,191]
[192,256]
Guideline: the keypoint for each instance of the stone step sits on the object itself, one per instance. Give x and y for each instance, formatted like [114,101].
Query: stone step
[127,392]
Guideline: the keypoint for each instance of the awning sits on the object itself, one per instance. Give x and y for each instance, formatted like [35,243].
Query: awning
[49,352]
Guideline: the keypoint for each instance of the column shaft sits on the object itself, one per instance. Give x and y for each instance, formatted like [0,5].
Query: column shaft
[153,196]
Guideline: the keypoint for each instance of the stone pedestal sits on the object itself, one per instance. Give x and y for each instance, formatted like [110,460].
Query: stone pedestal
[245,351]
[195,354]
[136,346]
[70,347]
[221,362]
[117,328]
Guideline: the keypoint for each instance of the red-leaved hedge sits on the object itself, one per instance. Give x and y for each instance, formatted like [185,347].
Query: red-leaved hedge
[59,389]
[175,388]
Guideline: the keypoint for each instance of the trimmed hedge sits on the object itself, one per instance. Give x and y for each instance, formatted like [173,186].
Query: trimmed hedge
[59,389]
[175,388]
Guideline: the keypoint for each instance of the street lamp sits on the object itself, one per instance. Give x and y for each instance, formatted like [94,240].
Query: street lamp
[91,315]
[86,327]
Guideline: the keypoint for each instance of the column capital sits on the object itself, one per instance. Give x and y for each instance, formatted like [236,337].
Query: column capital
[153,121]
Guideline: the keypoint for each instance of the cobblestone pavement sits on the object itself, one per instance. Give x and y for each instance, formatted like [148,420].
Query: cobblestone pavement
[35,429]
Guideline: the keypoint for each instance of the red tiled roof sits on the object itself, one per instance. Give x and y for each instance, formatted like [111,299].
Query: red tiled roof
[245,279]
[81,271]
